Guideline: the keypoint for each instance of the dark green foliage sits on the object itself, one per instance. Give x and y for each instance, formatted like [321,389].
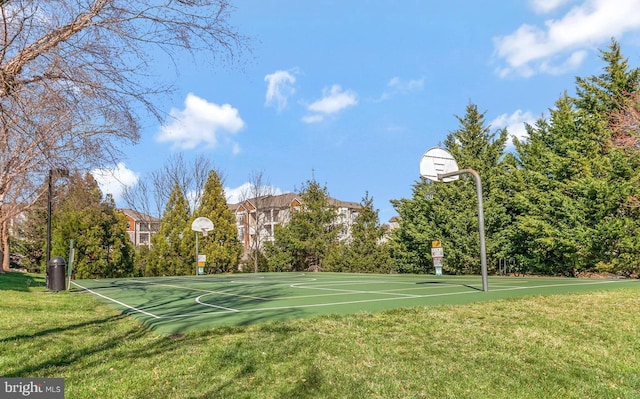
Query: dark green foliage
[102,246]
[221,246]
[572,212]
[365,251]
[448,212]
[565,203]
[309,237]
[168,257]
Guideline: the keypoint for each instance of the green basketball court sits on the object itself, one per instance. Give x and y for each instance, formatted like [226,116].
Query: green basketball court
[179,304]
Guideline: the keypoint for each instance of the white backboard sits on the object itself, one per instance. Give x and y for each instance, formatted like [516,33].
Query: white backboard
[202,225]
[437,161]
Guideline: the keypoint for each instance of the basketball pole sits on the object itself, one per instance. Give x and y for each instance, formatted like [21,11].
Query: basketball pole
[196,253]
[483,251]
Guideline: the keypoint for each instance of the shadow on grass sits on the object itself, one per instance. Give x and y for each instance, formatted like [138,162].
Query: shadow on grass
[61,329]
[18,281]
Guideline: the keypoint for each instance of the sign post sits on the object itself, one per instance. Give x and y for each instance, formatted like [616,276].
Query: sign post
[204,225]
[437,254]
[202,260]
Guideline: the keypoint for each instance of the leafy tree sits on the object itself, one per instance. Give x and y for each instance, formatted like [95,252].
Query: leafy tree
[221,246]
[102,246]
[309,237]
[168,257]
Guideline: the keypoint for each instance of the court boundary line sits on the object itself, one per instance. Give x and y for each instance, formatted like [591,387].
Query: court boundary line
[250,310]
[118,302]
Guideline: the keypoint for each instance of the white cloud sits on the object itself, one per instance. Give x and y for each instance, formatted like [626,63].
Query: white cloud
[280,86]
[545,6]
[399,86]
[515,123]
[237,194]
[333,101]
[402,86]
[312,118]
[533,49]
[200,122]
[114,180]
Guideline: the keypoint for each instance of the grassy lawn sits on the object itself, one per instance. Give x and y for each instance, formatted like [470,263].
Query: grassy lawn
[583,345]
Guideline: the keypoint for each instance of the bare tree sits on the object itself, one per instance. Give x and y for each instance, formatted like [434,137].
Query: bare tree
[256,197]
[75,80]
[150,195]
[625,123]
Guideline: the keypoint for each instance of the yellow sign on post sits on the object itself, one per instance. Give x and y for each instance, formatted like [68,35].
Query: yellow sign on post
[202,259]
[437,253]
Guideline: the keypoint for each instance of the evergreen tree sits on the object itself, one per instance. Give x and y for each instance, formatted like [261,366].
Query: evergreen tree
[447,212]
[309,237]
[572,207]
[366,252]
[168,256]
[221,246]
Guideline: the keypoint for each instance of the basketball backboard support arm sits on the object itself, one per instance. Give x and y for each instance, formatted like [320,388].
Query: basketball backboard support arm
[483,252]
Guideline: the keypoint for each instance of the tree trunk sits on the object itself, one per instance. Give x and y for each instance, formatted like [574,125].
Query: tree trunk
[4,232]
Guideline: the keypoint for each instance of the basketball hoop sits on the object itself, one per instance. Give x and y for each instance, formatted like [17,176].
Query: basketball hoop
[437,161]
[202,225]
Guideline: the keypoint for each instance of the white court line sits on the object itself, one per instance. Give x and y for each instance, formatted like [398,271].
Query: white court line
[118,302]
[213,306]
[349,291]
[209,291]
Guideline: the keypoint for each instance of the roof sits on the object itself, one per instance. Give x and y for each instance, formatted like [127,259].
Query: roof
[135,215]
[283,201]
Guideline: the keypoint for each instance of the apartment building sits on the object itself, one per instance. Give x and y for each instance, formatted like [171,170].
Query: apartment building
[259,216]
[140,227]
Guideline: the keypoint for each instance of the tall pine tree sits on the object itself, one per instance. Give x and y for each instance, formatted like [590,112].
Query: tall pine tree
[168,257]
[221,246]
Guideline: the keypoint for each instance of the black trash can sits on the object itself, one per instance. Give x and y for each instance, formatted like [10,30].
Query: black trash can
[55,274]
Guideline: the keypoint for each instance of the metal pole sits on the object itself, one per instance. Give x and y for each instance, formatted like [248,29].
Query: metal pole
[196,253]
[483,251]
[49,195]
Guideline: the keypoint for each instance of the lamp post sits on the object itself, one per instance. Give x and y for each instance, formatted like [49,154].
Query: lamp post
[60,172]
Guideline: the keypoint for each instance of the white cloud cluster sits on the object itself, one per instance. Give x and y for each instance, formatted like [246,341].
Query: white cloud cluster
[333,100]
[515,123]
[560,45]
[200,122]
[114,180]
[280,86]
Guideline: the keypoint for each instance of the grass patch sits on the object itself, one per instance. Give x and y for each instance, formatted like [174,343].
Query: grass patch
[564,346]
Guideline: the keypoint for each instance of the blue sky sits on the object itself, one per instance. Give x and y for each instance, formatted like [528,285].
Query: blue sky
[353,92]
